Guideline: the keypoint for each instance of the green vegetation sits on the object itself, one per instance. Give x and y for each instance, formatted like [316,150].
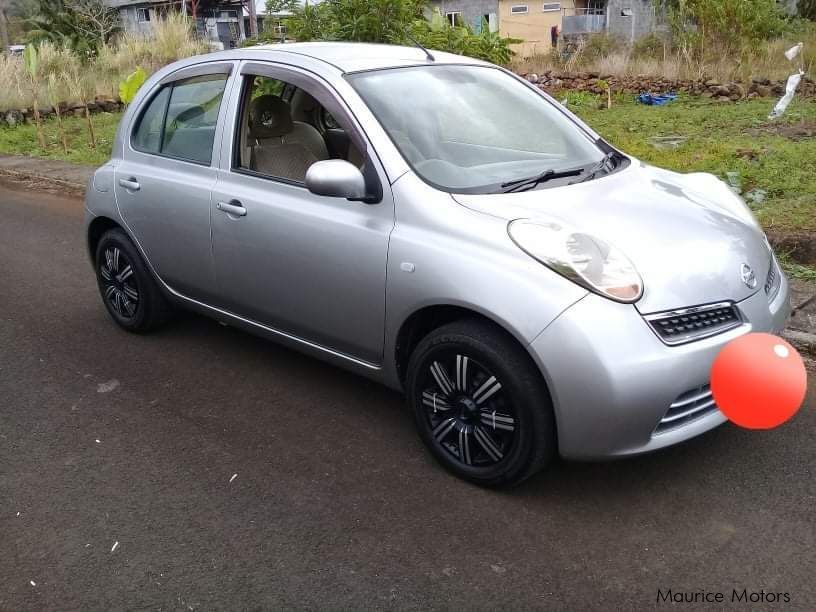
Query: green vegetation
[389,21]
[777,157]
[78,77]
[81,25]
[22,139]
[796,270]
[724,25]
[131,84]
[706,39]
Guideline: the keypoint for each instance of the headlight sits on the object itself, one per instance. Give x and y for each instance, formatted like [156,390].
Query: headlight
[580,257]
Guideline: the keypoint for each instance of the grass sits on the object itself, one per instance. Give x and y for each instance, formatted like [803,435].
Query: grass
[732,137]
[796,270]
[721,138]
[22,139]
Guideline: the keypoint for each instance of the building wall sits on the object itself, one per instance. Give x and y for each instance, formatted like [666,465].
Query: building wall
[532,27]
[129,21]
[473,11]
[630,19]
[789,6]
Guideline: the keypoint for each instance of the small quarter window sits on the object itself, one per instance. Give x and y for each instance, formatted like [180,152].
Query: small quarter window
[518,9]
[148,133]
[180,120]
[549,7]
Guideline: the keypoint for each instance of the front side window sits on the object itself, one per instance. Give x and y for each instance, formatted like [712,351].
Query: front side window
[180,120]
[283,130]
[473,128]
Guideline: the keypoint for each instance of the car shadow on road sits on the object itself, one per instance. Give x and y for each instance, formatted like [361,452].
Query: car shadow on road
[360,405]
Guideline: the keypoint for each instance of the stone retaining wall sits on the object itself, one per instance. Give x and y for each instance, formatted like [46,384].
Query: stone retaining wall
[100,105]
[554,82]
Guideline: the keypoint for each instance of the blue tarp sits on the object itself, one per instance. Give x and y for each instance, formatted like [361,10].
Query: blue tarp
[656,100]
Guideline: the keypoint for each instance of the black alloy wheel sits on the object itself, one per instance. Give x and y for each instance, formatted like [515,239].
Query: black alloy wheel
[480,403]
[131,295]
[119,286]
[469,414]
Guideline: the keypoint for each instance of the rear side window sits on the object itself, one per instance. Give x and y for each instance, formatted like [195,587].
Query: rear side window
[180,120]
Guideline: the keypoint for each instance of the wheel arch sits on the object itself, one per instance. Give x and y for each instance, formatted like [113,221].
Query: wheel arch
[426,319]
[96,229]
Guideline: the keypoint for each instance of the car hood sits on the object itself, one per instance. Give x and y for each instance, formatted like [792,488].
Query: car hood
[687,234]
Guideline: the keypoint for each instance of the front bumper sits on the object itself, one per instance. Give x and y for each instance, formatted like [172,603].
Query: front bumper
[612,380]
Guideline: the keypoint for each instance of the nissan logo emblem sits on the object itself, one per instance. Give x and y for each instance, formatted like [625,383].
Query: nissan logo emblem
[748,276]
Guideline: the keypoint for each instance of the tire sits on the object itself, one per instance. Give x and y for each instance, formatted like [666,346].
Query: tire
[130,293]
[480,404]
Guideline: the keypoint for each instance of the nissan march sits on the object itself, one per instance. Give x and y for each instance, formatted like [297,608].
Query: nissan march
[440,225]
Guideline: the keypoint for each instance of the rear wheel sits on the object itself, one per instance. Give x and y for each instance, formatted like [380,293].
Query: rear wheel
[129,292]
[480,404]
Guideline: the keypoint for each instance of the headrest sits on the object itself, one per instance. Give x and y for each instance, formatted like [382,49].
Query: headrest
[303,105]
[269,116]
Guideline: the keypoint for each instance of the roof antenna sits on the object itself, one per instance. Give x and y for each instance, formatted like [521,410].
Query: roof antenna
[416,44]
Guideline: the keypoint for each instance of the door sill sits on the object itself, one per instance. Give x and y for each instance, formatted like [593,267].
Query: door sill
[271,330]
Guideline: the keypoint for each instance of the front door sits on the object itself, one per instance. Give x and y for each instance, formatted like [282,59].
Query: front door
[164,181]
[310,266]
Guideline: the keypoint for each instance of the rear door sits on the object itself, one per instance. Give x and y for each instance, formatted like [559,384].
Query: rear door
[165,179]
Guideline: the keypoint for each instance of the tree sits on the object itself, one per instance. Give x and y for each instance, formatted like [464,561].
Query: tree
[17,13]
[395,22]
[281,6]
[253,19]
[807,9]
[4,35]
[94,19]
[274,8]
[725,25]
[81,25]
[200,7]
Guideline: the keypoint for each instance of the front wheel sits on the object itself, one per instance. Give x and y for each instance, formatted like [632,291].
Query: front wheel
[480,404]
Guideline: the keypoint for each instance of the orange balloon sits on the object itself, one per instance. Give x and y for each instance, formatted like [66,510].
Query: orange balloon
[758,381]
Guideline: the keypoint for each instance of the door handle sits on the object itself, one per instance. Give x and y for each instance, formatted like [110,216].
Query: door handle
[233,207]
[130,184]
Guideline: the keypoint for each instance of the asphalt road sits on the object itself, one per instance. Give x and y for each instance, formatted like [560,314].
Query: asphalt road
[107,437]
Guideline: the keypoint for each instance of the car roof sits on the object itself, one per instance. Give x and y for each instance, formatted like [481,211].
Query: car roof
[353,57]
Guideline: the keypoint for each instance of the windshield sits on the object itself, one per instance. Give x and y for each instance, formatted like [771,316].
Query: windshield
[473,129]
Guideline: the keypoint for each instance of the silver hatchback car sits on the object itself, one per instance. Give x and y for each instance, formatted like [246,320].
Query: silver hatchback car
[439,225]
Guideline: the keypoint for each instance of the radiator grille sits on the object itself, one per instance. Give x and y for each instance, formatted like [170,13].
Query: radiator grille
[688,407]
[689,324]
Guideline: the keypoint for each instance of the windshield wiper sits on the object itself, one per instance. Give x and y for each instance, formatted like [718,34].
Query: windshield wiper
[599,167]
[532,181]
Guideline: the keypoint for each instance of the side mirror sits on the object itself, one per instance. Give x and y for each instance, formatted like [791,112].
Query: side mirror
[336,178]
